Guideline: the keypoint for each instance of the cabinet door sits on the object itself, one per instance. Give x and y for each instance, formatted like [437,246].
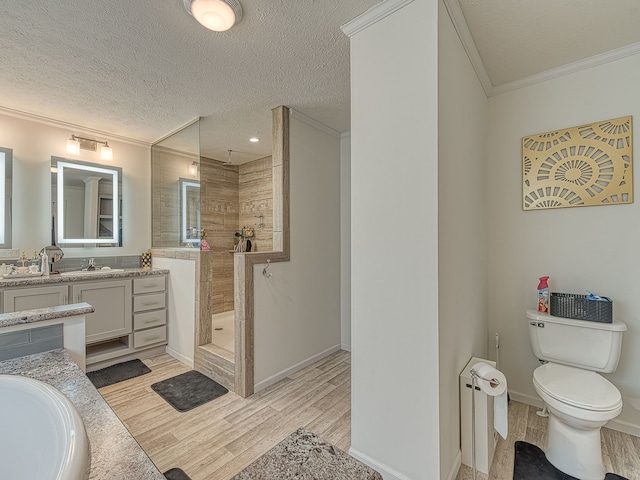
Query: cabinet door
[35,297]
[112,302]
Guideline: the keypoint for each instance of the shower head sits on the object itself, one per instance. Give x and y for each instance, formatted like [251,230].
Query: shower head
[228,164]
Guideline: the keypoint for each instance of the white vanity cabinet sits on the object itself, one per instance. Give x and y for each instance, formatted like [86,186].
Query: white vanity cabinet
[130,311]
[149,311]
[112,302]
[29,298]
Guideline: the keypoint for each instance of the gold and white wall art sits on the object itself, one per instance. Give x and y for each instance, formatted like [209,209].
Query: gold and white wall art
[579,166]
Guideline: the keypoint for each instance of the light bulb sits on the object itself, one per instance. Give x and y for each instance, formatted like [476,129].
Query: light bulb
[73,147]
[106,153]
[216,15]
[193,169]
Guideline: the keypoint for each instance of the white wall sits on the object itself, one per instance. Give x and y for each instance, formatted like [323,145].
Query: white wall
[345,241]
[394,247]
[462,130]
[297,309]
[181,306]
[595,248]
[33,144]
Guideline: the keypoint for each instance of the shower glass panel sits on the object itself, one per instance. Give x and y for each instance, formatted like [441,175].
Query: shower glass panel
[175,194]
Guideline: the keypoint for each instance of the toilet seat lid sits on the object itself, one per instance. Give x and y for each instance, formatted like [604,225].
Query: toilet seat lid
[580,388]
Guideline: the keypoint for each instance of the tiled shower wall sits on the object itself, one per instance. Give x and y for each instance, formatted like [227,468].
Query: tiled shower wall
[256,198]
[233,197]
[219,218]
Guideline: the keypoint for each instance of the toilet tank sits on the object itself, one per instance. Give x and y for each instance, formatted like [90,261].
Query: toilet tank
[589,345]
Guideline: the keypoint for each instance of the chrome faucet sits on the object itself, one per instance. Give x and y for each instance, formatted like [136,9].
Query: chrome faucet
[92,264]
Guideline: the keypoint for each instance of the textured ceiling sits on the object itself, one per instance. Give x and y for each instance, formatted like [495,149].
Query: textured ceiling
[519,38]
[141,69]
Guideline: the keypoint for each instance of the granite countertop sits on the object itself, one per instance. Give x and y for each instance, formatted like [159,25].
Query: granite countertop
[81,277]
[42,314]
[114,452]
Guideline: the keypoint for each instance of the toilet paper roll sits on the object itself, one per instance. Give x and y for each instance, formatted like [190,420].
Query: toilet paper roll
[493,382]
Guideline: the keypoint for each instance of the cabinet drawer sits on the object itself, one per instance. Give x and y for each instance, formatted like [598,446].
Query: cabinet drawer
[155,283]
[148,337]
[149,319]
[142,303]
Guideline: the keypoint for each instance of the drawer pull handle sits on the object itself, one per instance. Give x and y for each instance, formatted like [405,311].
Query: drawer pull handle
[152,337]
[148,304]
[151,320]
[152,285]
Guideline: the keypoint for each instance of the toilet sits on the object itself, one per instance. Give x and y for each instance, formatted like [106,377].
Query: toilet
[579,400]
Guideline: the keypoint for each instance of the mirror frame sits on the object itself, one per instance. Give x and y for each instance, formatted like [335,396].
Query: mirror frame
[6,162]
[116,175]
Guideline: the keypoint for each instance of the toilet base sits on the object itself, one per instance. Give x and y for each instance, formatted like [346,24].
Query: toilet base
[576,452]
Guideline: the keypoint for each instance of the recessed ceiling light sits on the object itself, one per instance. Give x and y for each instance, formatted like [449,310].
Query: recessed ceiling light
[254,139]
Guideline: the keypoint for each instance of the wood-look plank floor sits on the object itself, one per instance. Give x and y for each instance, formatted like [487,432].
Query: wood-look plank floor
[220,438]
[620,452]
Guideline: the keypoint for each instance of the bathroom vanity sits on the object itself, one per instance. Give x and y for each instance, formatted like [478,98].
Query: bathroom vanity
[130,315]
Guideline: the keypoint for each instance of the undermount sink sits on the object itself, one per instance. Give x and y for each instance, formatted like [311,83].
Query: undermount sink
[43,435]
[92,272]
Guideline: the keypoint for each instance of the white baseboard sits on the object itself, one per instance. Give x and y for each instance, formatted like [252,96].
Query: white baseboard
[298,366]
[526,399]
[179,356]
[345,347]
[624,427]
[386,472]
[457,462]
[615,424]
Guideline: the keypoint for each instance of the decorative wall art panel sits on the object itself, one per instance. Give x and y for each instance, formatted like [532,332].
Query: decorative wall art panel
[579,166]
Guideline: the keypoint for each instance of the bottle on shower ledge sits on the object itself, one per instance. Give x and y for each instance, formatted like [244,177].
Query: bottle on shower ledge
[543,295]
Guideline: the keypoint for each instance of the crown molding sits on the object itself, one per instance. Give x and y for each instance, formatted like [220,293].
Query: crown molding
[70,126]
[173,132]
[373,15]
[314,123]
[460,24]
[574,67]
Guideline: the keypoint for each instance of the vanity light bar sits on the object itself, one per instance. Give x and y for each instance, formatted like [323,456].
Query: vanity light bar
[75,143]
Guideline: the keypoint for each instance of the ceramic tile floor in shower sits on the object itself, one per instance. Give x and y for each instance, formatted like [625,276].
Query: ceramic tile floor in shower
[222,330]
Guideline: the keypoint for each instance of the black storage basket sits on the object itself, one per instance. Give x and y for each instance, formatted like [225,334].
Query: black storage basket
[571,305]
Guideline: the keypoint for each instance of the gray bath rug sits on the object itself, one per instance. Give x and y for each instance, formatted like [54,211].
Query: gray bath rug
[532,464]
[176,474]
[188,390]
[117,373]
[305,456]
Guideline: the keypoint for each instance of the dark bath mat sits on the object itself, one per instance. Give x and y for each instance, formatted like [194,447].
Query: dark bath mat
[176,474]
[532,464]
[117,373]
[188,390]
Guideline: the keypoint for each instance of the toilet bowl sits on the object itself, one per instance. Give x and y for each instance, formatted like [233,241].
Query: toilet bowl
[580,402]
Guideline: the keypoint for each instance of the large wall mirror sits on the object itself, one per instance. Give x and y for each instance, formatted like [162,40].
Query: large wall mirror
[86,201]
[6,174]
[190,211]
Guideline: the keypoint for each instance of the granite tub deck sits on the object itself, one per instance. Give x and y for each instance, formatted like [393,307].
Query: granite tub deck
[114,452]
[81,277]
[43,314]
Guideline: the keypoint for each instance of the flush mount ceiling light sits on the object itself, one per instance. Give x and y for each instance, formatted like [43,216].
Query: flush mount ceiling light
[75,143]
[216,15]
